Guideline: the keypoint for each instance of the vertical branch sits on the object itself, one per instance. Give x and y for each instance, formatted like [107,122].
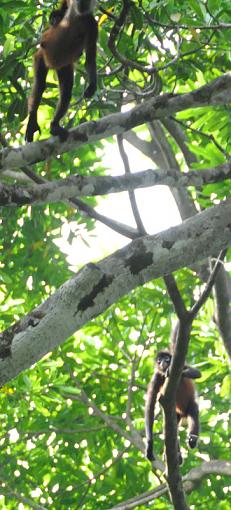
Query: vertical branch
[169,398]
[131,193]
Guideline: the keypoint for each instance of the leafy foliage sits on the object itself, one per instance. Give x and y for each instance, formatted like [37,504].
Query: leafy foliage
[61,451]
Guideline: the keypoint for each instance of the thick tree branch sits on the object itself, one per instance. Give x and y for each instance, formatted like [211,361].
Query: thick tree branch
[217,92]
[95,287]
[79,185]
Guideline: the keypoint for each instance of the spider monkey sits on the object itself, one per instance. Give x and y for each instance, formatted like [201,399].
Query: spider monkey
[186,406]
[73,30]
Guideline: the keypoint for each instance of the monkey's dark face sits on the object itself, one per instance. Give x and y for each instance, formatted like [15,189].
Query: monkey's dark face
[163,361]
[84,6]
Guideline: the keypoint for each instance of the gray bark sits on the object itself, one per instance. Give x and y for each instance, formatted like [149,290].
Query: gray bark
[96,287]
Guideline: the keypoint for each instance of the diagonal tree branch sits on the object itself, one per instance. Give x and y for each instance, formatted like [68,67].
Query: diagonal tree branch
[96,287]
[121,228]
[208,287]
[175,296]
[216,92]
[193,477]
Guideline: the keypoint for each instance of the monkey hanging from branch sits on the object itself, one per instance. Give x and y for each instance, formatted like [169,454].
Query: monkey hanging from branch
[186,405]
[73,30]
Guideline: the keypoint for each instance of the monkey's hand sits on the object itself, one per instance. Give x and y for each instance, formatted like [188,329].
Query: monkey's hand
[191,372]
[55,17]
[32,127]
[57,130]
[90,90]
[149,451]
[167,372]
[192,440]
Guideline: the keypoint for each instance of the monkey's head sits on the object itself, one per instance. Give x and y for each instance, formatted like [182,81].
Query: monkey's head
[83,7]
[163,361]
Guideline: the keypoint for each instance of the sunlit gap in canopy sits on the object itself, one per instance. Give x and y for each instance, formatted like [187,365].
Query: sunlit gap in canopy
[157,208]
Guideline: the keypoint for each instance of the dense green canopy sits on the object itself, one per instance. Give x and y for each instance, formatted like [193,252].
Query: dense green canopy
[72,426]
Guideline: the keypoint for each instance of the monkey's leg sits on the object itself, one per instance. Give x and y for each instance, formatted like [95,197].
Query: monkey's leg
[193,424]
[40,74]
[65,77]
[91,60]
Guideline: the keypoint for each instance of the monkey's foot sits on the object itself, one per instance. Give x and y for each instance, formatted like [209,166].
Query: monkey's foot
[90,90]
[149,452]
[57,130]
[32,127]
[192,440]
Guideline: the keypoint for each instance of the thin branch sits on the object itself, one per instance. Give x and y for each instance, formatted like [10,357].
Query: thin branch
[122,229]
[19,497]
[142,499]
[193,477]
[180,138]
[135,210]
[175,296]
[202,134]
[168,26]
[130,386]
[106,418]
[105,469]
[207,290]
[115,32]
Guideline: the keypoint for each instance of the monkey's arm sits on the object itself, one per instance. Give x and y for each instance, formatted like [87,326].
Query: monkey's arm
[91,57]
[153,390]
[190,372]
[57,15]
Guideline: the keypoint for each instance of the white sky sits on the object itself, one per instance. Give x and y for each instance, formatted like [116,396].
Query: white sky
[156,205]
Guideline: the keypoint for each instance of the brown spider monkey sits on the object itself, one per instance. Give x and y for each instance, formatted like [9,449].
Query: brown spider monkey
[73,30]
[186,406]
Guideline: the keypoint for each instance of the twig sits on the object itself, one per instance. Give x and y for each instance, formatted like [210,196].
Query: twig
[205,294]
[91,404]
[115,32]
[122,229]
